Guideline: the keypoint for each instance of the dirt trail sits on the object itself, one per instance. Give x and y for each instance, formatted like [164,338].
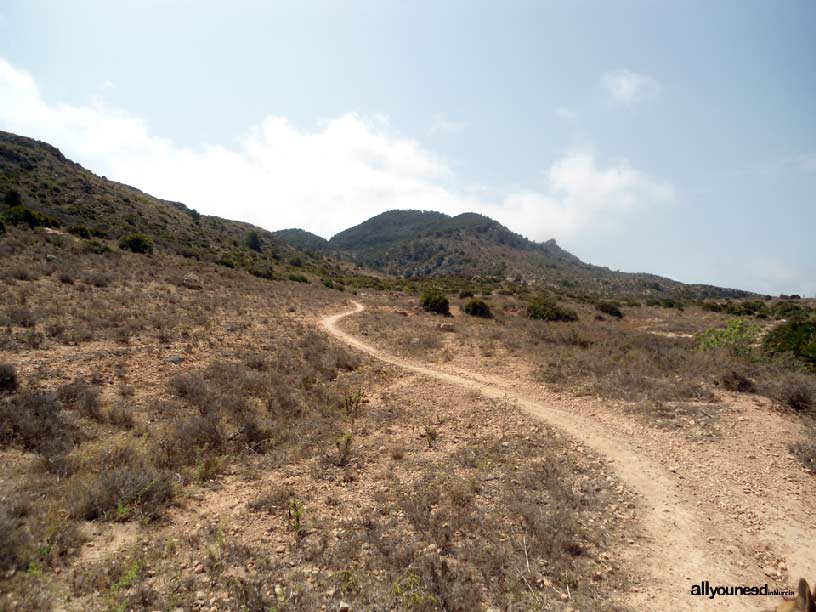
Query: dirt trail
[680,549]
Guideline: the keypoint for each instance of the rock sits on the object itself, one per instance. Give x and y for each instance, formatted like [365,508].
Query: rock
[414,341]
[447,327]
[402,313]
[175,359]
[50,257]
[192,281]
[343,607]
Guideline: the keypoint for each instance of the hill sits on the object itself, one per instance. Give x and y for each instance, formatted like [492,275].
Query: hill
[40,178]
[421,244]
[303,240]
[404,244]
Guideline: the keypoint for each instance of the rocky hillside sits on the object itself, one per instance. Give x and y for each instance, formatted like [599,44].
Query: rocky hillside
[421,244]
[38,177]
[39,184]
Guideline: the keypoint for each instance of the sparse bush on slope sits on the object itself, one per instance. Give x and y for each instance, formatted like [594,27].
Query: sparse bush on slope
[546,310]
[433,300]
[797,337]
[8,378]
[610,308]
[738,336]
[20,215]
[137,243]
[478,308]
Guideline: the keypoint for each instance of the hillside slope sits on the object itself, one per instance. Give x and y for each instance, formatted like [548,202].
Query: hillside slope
[418,244]
[49,183]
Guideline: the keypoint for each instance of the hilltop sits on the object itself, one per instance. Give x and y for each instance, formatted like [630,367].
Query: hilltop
[422,244]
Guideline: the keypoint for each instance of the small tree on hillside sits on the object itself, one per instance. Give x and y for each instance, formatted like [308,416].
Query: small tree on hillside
[253,241]
[433,300]
[478,308]
[13,198]
[137,243]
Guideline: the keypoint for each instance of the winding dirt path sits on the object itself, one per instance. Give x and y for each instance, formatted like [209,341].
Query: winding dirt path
[678,551]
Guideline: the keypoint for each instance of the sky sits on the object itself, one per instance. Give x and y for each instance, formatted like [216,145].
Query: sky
[677,138]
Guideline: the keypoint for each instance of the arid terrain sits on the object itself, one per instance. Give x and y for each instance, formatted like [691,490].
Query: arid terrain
[180,435]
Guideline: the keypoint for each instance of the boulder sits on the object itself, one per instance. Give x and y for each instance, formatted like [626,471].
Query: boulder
[192,281]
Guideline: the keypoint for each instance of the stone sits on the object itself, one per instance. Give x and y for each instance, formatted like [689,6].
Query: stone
[343,607]
[175,359]
[192,281]
[50,257]
[446,327]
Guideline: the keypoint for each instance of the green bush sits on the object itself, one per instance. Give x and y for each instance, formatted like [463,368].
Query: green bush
[787,310]
[138,243]
[253,241]
[433,300]
[17,215]
[298,278]
[2,227]
[13,198]
[465,293]
[797,337]
[478,308]
[737,336]
[547,310]
[81,231]
[610,308]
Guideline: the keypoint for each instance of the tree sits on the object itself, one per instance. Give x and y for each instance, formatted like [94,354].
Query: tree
[433,300]
[253,241]
[13,198]
[137,243]
[478,308]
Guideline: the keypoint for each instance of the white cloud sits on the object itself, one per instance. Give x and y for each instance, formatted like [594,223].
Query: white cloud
[627,87]
[441,125]
[582,197]
[324,179]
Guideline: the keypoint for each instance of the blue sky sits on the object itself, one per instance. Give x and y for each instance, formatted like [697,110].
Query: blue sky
[676,138]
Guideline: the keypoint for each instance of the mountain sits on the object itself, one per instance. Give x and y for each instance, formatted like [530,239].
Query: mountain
[418,244]
[421,244]
[402,244]
[426,243]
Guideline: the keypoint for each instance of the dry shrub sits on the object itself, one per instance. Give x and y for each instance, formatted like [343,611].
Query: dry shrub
[188,440]
[120,415]
[806,453]
[82,396]
[20,316]
[17,545]
[9,382]
[131,489]
[794,389]
[734,380]
[275,500]
[31,420]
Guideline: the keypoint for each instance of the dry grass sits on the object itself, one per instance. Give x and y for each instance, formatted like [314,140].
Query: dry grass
[101,343]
